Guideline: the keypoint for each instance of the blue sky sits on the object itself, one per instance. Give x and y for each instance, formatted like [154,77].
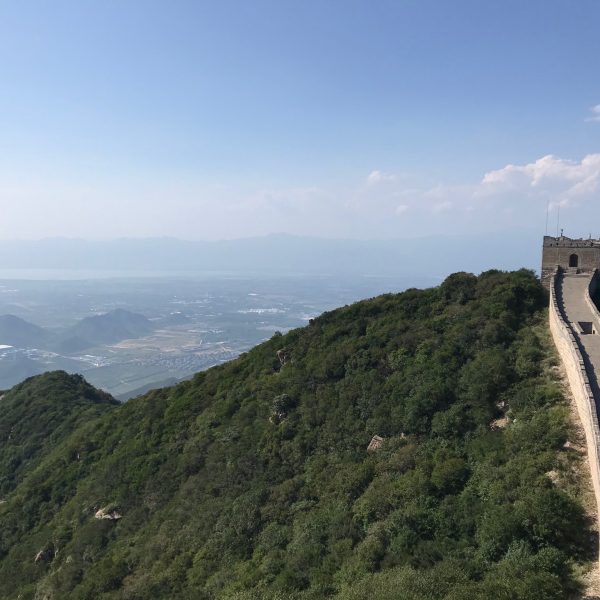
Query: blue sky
[334,118]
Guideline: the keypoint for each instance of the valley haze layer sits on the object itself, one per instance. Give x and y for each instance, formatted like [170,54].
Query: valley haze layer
[434,256]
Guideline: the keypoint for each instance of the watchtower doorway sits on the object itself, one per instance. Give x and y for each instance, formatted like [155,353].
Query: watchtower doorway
[573,260]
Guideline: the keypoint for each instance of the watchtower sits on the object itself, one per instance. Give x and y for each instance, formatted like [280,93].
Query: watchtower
[571,255]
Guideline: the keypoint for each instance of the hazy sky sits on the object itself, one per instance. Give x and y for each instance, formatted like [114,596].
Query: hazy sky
[335,118]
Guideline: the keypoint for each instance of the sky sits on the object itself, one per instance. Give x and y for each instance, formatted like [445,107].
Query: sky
[331,118]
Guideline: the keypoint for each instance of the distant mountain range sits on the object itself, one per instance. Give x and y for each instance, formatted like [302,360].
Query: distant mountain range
[15,331]
[109,328]
[438,255]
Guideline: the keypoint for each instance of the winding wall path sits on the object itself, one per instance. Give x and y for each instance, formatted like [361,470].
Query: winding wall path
[575,327]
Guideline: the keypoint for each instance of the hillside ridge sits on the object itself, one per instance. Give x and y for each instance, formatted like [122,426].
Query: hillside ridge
[253,480]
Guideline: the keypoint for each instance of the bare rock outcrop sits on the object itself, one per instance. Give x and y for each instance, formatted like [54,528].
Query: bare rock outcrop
[109,513]
[45,555]
[375,443]
[283,354]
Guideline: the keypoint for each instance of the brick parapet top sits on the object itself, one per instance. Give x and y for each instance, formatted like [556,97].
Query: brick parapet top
[565,242]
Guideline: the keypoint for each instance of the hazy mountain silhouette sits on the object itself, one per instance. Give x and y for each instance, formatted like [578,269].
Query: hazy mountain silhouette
[108,328]
[15,331]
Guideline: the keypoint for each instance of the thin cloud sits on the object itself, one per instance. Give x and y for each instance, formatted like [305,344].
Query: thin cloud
[394,204]
[441,207]
[376,177]
[595,118]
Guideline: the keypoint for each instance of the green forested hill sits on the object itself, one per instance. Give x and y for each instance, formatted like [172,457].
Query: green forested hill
[253,480]
[37,415]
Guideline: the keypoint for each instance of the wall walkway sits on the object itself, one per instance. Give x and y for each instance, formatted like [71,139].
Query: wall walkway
[575,327]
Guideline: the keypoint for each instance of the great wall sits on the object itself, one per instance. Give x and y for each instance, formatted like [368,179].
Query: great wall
[570,270]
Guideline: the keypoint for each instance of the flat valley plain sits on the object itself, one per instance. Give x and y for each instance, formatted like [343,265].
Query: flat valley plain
[198,319]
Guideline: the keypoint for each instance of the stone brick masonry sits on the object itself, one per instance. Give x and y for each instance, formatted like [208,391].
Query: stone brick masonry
[576,255]
[571,307]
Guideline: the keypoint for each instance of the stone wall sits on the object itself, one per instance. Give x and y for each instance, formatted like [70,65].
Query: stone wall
[570,353]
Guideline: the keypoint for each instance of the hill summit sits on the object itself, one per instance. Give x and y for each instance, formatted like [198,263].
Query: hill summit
[15,331]
[413,443]
[111,327]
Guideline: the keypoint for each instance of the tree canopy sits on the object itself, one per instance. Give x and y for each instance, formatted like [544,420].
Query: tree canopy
[253,481]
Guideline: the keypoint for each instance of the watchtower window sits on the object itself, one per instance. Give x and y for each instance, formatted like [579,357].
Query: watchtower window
[573,260]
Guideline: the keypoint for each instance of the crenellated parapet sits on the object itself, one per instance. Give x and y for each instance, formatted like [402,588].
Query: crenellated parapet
[575,255]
